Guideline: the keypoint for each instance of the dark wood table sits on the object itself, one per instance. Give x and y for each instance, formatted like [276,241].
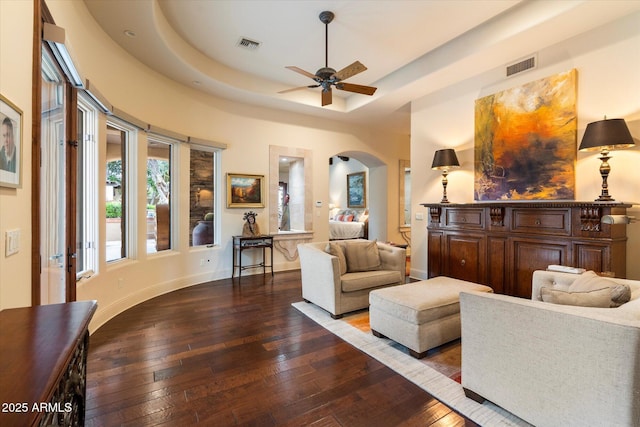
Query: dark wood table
[43,364]
[241,243]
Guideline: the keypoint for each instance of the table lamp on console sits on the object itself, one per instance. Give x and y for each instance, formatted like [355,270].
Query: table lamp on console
[604,136]
[444,160]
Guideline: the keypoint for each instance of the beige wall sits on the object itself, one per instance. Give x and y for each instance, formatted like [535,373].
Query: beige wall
[608,64]
[154,99]
[15,204]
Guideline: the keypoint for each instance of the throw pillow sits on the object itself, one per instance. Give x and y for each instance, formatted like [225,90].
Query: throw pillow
[348,218]
[590,281]
[362,256]
[339,217]
[335,250]
[597,298]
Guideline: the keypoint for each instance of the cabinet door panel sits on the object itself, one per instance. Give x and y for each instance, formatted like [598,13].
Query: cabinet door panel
[466,257]
[531,255]
[496,263]
[434,250]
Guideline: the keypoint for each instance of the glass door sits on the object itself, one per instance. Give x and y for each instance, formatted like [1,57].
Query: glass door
[53,257]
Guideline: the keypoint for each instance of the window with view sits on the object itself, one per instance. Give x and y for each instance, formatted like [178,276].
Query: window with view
[201,193]
[116,193]
[158,194]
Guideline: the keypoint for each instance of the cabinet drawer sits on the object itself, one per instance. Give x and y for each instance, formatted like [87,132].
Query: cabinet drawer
[556,222]
[466,218]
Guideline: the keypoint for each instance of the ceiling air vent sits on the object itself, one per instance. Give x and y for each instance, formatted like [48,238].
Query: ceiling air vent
[522,65]
[248,43]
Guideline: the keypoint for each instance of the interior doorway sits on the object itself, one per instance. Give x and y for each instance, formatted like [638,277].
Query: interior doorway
[376,189]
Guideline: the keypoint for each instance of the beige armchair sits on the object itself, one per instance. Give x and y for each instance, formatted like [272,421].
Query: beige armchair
[552,364]
[328,284]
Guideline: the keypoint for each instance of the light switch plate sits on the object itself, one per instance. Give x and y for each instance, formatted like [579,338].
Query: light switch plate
[12,242]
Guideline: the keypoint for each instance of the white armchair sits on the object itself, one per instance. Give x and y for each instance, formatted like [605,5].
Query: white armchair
[550,364]
[324,285]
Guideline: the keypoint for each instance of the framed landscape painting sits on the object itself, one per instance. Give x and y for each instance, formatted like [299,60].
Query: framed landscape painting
[10,144]
[356,190]
[245,191]
[525,141]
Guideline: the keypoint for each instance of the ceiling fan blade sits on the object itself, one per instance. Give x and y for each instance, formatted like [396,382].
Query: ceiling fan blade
[301,71]
[327,97]
[298,88]
[349,87]
[349,71]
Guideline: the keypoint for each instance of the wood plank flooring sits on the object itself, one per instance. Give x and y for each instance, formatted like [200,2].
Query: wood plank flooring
[225,354]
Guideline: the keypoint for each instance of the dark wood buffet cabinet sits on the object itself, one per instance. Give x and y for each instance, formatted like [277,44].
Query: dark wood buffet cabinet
[500,244]
[43,364]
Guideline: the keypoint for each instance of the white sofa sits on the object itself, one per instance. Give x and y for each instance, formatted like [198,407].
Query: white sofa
[324,285]
[550,364]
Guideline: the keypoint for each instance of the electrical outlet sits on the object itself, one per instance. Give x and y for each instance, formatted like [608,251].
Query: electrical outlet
[419,216]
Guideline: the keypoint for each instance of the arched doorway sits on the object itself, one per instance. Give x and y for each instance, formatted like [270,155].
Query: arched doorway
[347,162]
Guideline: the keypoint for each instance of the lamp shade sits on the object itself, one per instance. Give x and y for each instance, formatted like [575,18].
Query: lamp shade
[445,159]
[608,134]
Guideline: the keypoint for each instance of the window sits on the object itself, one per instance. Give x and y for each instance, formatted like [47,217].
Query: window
[203,184]
[86,190]
[117,207]
[158,218]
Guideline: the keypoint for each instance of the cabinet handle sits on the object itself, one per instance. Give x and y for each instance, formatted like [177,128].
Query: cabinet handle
[538,222]
[463,262]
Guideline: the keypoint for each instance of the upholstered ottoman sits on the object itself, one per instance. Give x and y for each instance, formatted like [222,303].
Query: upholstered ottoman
[420,315]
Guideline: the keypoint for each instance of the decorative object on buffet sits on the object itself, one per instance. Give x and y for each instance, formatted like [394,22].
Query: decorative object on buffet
[604,136]
[444,160]
[525,139]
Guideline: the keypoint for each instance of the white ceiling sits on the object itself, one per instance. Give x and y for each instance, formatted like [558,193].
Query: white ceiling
[411,48]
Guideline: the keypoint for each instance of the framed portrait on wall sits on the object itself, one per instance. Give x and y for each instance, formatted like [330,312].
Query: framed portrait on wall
[245,191]
[10,144]
[357,190]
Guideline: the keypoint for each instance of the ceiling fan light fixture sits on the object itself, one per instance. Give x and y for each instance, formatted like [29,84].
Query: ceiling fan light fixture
[326,76]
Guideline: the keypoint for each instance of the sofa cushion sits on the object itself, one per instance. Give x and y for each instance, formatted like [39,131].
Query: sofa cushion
[596,298]
[590,281]
[358,281]
[336,250]
[362,256]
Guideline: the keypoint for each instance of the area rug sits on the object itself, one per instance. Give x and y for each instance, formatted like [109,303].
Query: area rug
[440,386]
[444,359]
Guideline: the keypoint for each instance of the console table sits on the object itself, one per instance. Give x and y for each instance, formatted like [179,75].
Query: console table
[241,243]
[43,364]
[500,244]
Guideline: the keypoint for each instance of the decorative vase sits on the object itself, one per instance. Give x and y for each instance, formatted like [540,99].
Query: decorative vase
[203,233]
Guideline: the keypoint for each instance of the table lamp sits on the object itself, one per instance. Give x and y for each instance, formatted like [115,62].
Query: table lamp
[444,160]
[604,136]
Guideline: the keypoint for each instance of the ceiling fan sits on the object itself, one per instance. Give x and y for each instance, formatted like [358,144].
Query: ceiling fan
[327,77]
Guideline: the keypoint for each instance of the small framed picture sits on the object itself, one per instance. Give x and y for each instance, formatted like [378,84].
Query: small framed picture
[357,190]
[245,191]
[10,144]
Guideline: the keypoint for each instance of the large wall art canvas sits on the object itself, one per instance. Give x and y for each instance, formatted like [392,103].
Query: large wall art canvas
[525,141]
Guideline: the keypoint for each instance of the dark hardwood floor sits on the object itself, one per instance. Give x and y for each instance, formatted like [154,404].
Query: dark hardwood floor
[226,354]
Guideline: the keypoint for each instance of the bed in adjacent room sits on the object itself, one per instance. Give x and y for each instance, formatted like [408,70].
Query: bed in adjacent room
[349,224]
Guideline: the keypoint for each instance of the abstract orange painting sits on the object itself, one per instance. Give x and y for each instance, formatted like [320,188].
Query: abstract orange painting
[525,141]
